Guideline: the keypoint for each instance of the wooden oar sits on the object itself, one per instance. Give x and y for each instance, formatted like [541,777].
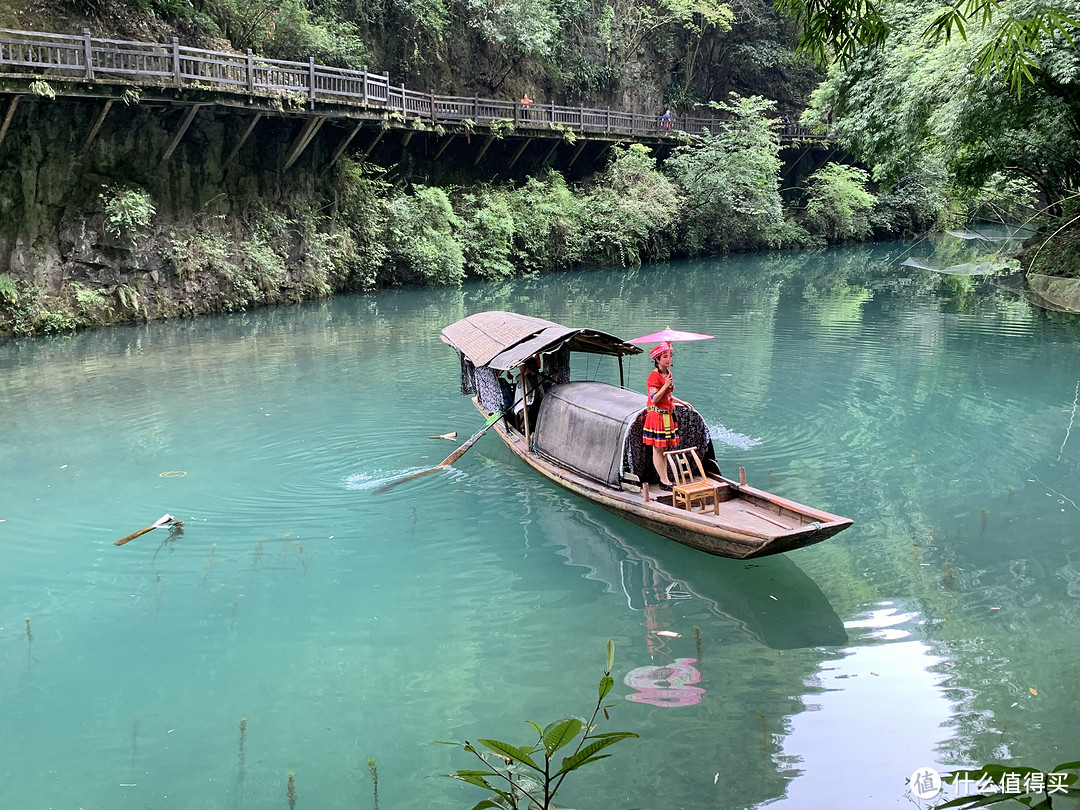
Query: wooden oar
[446,462]
[164,520]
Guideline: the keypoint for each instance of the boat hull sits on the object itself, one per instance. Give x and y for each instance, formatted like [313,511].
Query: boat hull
[752,523]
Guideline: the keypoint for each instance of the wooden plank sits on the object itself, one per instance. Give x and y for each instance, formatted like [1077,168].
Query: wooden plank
[302,141]
[442,148]
[341,147]
[483,149]
[374,141]
[7,118]
[517,154]
[180,132]
[97,124]
[551,152]
[577,152]
[244,136]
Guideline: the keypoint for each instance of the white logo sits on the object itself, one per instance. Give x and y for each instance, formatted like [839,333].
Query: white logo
[925,783]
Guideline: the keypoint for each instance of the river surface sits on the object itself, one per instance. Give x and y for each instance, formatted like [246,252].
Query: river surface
[300,623]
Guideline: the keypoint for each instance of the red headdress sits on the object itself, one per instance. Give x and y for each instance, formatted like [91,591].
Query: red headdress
[659,350]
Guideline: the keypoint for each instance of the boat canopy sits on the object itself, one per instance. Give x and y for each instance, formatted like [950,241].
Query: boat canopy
[585,425]
[504,340]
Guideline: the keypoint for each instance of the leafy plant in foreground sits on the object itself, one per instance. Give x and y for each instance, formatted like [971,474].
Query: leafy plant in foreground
[517,776]
[1032,788]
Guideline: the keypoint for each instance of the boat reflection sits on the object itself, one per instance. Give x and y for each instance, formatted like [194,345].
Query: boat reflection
[771,600]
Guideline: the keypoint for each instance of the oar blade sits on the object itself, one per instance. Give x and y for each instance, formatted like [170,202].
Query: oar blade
[389,486]
[446,462]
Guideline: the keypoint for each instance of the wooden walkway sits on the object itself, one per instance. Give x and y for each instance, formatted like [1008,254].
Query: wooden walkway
[82,66]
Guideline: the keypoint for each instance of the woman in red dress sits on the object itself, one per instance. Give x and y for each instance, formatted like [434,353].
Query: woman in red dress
[660,431]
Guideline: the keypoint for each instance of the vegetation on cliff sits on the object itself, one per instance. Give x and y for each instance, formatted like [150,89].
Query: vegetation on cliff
[947,134]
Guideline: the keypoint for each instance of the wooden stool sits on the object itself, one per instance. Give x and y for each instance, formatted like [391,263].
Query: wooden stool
[690,485]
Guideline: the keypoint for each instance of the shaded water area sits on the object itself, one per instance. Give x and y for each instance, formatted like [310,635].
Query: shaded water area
[300,623]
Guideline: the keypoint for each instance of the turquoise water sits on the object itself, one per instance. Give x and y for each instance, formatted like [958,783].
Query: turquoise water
[300,623]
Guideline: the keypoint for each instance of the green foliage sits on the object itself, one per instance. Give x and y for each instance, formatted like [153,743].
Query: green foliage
[838,203]
[360,216]
[289,29]
[127,209]
[421,231]
[548,216]
[92,307]
[1015,45]
[1026,791]
[501,127]
[42,89]
[129,297]
[518,28]
[837,28]
[915,204]
[731,180]
[630,211]
[488,228]
[9,289]
[530,775]
[916,107]
[1013,36]
[25,309]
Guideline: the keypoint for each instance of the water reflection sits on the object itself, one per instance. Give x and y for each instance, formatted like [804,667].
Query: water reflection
[770,601]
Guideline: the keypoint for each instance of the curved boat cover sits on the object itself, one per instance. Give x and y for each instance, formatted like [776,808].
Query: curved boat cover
[504,340]
[584,425]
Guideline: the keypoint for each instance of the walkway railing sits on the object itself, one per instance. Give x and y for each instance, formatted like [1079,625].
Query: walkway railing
[95,59]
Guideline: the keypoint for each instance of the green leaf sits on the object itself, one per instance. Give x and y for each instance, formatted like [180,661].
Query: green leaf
[600,742]
[559,734]
[606,684]
[511,751]
[1067,766]
[976,801]
[472,777]
[539,730]
[486,803]
[610,656]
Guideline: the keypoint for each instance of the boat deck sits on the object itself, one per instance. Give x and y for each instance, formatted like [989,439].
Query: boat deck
[750,523]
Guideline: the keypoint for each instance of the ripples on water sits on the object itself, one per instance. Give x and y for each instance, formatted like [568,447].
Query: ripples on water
[342,625]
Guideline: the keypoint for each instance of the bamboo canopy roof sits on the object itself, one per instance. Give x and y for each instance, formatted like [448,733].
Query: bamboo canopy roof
[504,340]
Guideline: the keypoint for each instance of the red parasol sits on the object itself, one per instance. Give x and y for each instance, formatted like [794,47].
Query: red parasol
[670,335]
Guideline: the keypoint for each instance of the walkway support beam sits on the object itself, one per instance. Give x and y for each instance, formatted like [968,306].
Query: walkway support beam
[180,132]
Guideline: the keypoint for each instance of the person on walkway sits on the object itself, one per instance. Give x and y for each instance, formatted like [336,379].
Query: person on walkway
[665,120]
[525,103]
[660,430]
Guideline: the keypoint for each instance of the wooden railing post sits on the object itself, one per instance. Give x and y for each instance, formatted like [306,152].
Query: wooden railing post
[178,76]
[88,54]
[250,71]
[581,118]
[431,101]
[363,84]
[607,120]
[476,108]
[311,80]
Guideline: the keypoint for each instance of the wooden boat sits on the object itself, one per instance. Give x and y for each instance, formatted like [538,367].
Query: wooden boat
[586,437]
